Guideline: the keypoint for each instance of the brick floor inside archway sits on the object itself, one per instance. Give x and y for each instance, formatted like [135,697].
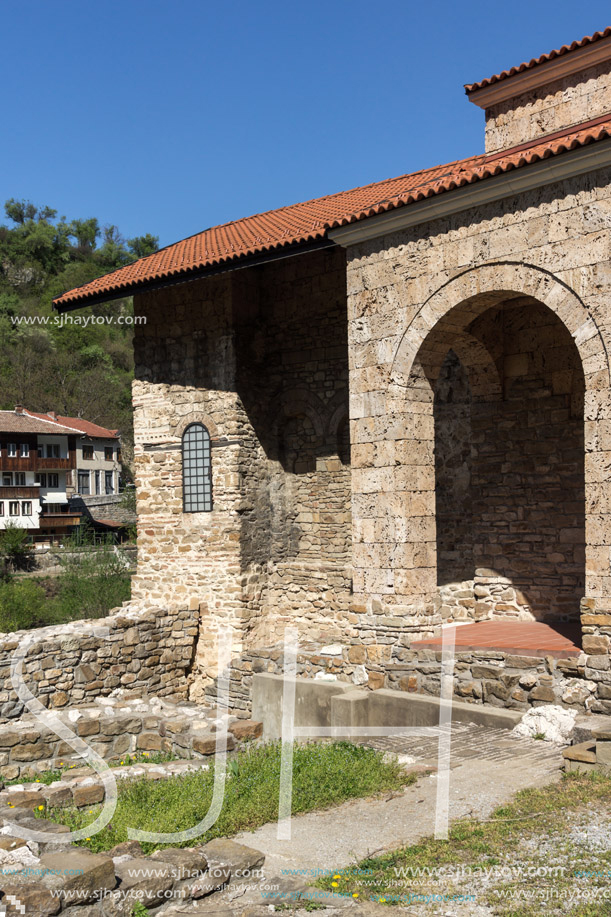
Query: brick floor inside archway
[526,638]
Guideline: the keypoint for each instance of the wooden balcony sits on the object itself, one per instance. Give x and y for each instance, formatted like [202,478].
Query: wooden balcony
[19,493]
[59,520]
[34,463]
[55,464]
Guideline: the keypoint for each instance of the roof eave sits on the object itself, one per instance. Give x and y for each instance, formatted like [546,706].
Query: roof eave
[508,85]
[189,275]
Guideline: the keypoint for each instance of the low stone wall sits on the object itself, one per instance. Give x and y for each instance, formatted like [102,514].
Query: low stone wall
[83,787]
[105,507]
[49,559]
[500,679]
[137,648]
[115,728]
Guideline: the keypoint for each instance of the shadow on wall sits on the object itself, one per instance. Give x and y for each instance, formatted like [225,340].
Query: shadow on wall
[292,371]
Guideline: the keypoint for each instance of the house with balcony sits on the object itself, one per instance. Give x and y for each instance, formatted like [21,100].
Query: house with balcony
[98,456]
[37,462]
[48,462]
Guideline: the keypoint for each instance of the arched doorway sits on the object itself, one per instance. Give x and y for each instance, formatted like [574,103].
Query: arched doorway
[506,387]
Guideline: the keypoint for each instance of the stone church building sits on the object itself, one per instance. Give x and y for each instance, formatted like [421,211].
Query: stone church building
[389,409]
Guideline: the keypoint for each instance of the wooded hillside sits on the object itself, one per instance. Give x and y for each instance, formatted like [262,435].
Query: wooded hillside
[74,369]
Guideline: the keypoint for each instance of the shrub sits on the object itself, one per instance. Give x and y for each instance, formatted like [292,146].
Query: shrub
[93,581]
[14,547]
[22,605]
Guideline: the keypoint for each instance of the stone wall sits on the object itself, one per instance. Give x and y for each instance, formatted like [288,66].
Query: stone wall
[103,507]
[115,728]
[535,368]
[71,664]
[557,105]
[498,678]
[260,357]
[453,474]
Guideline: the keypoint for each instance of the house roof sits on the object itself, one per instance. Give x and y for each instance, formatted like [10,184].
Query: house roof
[543,59]
[32,422]
[77,424]
[11,422]
[298,224]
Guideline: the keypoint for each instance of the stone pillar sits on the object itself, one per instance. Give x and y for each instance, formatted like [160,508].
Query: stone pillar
[393,508]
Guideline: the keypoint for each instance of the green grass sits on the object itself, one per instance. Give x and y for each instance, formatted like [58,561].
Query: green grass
[324,775]
[519,832]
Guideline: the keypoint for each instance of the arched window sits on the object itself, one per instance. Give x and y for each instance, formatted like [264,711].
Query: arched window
[196,470]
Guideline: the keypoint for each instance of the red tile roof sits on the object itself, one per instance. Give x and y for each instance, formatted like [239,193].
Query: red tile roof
[77,424]
[12,422]
[528,65]
[310,221]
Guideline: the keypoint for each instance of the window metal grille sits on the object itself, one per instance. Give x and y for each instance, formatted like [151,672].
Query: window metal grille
[196,470]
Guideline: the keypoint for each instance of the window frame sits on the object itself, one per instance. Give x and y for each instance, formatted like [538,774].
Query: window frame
[26,508]
[11,505]
[82,475]
[11,450]
[196,452]
[90,456]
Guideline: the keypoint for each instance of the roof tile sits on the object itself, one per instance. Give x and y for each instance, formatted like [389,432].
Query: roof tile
[77,424]
[11,422]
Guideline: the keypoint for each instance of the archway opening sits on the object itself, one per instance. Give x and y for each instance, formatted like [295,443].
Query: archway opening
[507,388]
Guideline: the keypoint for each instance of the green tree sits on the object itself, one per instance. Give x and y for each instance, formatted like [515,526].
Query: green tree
[141,246]
[86,233]
[20,211]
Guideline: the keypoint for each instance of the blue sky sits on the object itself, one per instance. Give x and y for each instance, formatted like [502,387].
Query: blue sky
[169,116]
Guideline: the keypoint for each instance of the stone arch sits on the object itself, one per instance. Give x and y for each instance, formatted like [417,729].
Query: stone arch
[196,417]
[292,402]
[479,288]
[338,411]
[482,371]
